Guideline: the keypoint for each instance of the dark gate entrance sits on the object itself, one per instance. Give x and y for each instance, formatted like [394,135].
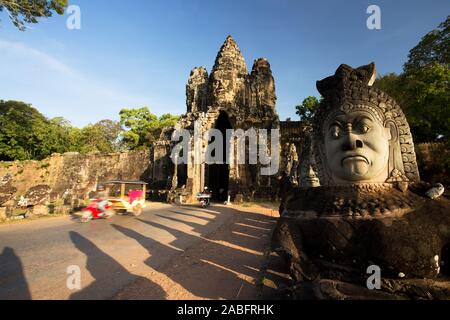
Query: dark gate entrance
[218,174]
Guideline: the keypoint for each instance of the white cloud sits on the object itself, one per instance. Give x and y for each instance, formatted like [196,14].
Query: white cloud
[23,50]
[57,89]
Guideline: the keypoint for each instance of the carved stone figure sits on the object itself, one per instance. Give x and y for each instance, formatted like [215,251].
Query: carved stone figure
[308,168]
[360,134]
[292,162]
[370,210]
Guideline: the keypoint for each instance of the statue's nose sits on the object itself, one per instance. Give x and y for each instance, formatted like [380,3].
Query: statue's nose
[351,142]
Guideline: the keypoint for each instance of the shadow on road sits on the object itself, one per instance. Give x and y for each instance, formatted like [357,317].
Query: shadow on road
[13,284]
[225,264]
[155,248]
[197,208]
[191,224]
[106,271]
[190,215]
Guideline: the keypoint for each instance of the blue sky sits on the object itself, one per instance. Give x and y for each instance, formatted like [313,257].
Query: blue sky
[139,53]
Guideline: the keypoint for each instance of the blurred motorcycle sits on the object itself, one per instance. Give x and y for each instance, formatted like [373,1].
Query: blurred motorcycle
[92,212]
[204,198]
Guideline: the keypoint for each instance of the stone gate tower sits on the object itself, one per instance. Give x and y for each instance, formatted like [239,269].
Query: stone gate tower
[228,98]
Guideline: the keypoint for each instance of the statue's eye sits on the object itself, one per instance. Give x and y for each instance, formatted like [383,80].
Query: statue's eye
[335,131]
[364,128]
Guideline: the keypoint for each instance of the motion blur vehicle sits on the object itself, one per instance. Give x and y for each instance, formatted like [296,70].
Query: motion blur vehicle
[93,212]
[126,196]
[123,197]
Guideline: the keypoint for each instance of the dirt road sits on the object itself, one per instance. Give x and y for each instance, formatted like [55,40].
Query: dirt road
[169,252]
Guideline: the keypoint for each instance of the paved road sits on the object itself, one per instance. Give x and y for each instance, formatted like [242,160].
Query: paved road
[35,255]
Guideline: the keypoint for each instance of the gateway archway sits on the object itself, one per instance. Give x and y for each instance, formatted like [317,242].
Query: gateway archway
[218,174]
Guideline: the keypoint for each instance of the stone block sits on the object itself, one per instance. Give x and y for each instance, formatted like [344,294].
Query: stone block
[64,209]
[3,213]
[40,210]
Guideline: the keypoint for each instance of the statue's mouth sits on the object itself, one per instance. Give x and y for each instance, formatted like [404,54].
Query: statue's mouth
[355,158]
[312,179]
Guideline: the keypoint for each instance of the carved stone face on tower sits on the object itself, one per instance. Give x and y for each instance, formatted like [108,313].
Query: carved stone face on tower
[223,89]
[228,75]
[361,134]
[197,90]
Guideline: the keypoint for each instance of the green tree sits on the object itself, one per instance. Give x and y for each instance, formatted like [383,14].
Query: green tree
[28,11]
[428,101]
[143,127]
[27,134]
[424,86]
[389,83]
[102,136]
[60,136]
[422,90]
[398,87]
[424,96]
[433,47]
[307,109]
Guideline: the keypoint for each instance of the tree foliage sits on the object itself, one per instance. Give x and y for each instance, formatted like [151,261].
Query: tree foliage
[307,109]
[422,90]
[425,98]
[434,47]
[21,127]
[102,136]
[143,127]
[27,11]
[27,134]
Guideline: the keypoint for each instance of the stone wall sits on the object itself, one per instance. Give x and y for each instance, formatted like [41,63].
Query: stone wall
[63,181]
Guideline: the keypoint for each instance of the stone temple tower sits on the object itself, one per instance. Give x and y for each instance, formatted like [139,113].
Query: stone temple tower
[230,97]
[230,87]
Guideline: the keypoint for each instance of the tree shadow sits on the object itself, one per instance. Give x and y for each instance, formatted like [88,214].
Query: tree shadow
[248,228]
[197,208]
[191,215]
[227,259]
[13,284]
[191,224]
[203,282]
[155,248]
[224,262]
[108,273]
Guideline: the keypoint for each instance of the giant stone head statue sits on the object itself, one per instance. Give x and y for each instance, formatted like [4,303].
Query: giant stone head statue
[360,134]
